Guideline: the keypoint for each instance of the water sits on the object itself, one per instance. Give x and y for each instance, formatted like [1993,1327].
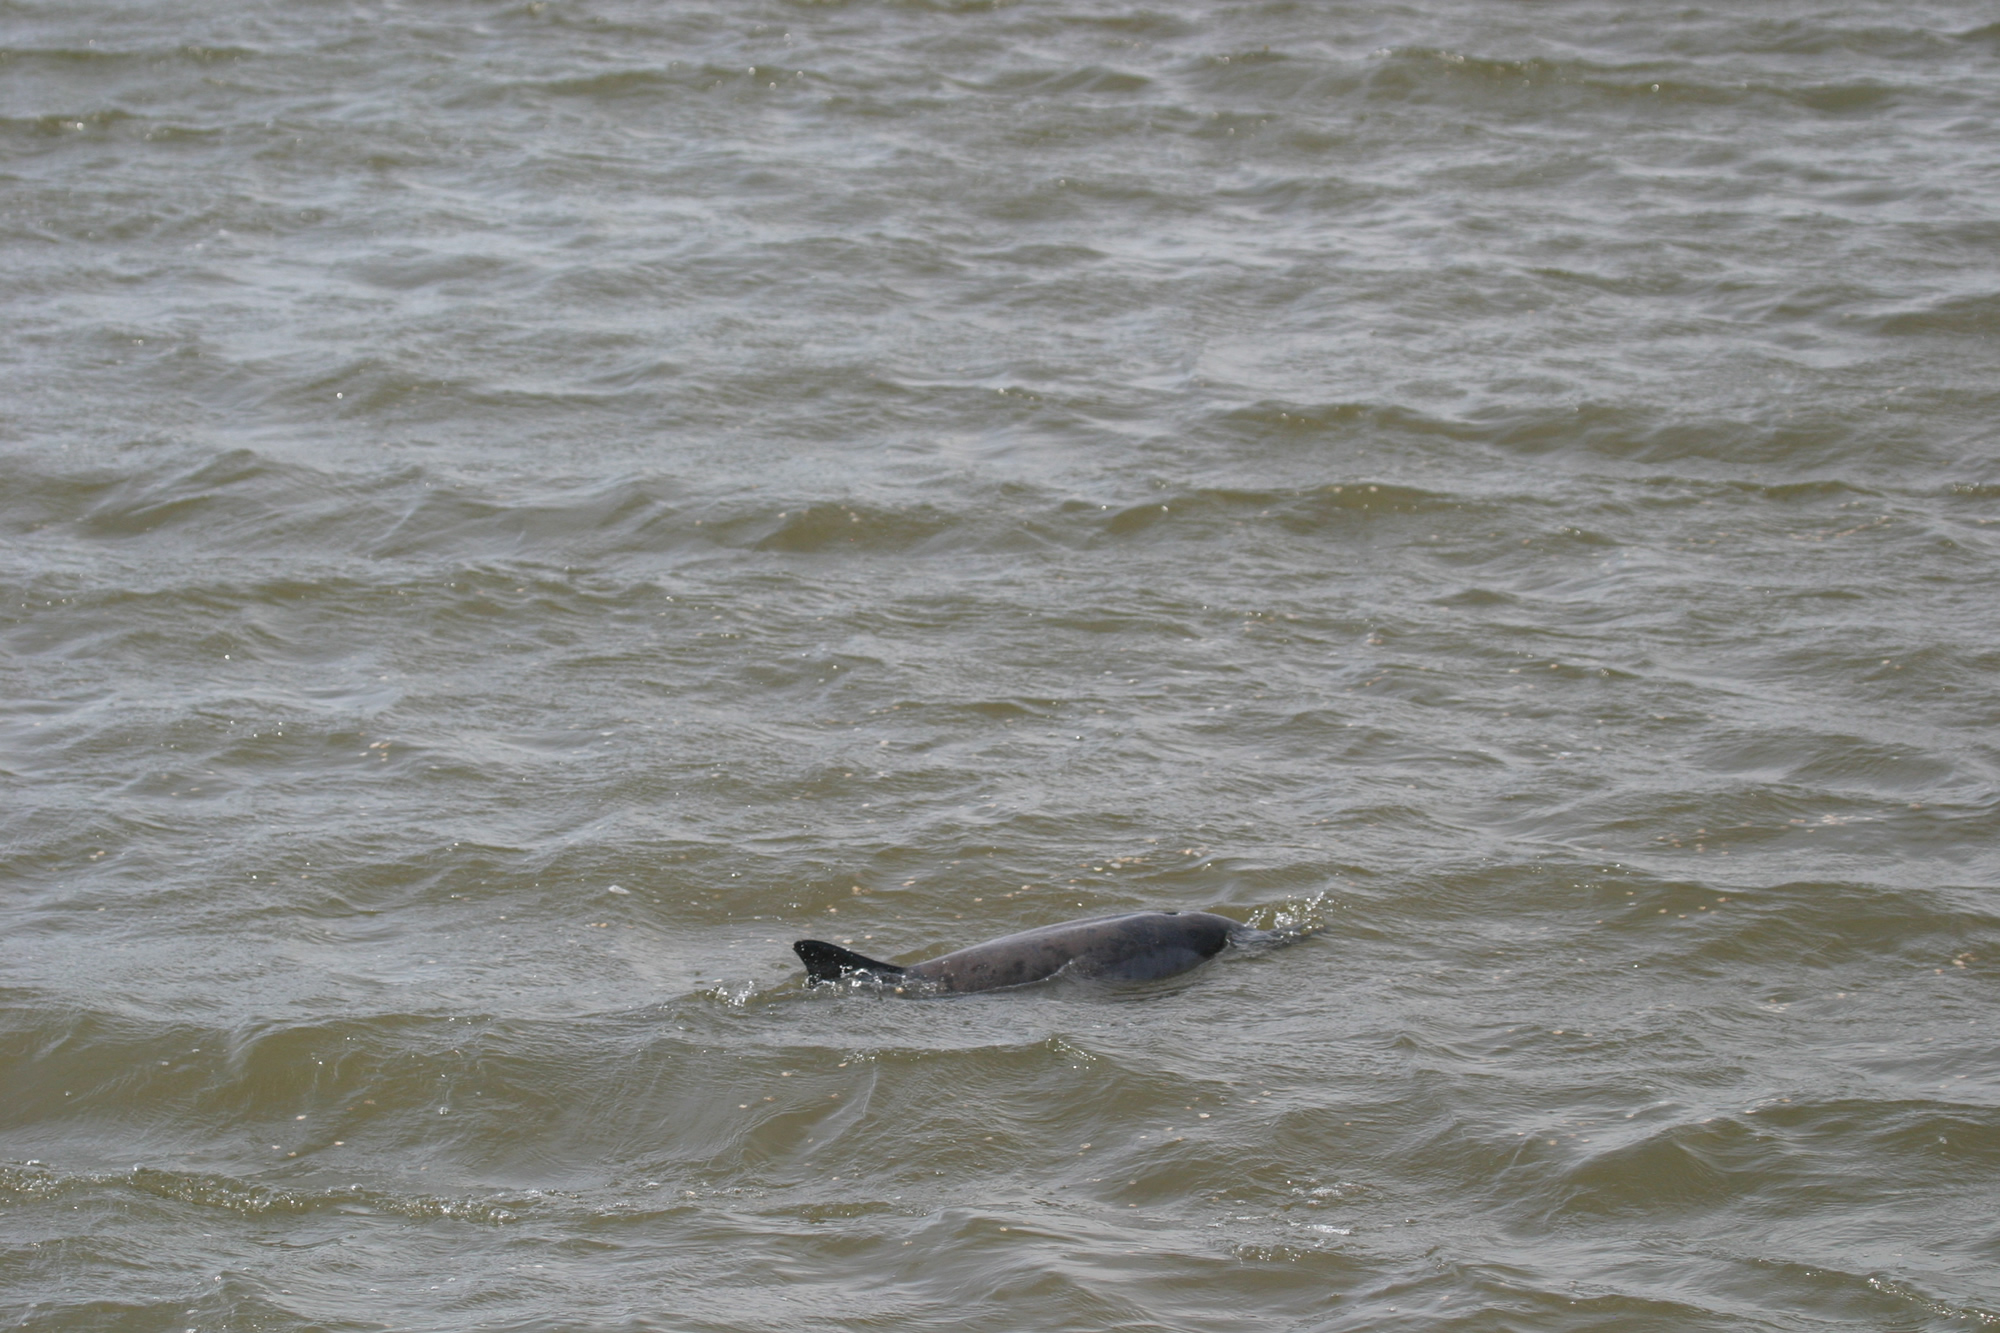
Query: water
[513,513]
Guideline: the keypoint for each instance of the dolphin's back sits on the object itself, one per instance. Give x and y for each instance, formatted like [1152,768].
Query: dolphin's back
[1135,946]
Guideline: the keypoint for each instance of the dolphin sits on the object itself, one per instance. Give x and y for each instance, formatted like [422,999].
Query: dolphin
[1133,946]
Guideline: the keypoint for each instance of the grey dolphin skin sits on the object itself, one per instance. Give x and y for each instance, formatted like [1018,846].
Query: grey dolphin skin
[1136,946]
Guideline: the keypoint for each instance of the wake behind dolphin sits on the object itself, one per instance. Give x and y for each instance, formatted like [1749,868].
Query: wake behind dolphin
[1134,946]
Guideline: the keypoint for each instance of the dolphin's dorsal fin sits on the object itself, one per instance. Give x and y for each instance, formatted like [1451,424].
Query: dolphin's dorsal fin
[830,962]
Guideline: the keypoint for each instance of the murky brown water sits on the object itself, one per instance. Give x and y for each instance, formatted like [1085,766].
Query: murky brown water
[511,514]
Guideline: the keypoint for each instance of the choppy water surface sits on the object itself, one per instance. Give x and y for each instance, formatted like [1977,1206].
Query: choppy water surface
[513,513]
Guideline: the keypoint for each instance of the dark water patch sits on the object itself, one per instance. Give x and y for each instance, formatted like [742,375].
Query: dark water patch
[1277,82]
[94,57]
[1314,195]
[1648,284]
[1521,86]
[1477,598]
[1930,1143]
[1086,82]
[1649,438]
[1845,99]
[1954,316]
[1302,512]
[1848,765]
[453,274]
[615,86]
[236,489]
[1421,74]
[1817,36]
[822,527]
[1816,491]
[1783,1162]
[252,502]
[1054,257]
[63,128]
[1149,24]
[1682,1169]
[1624,432]
[1818,926]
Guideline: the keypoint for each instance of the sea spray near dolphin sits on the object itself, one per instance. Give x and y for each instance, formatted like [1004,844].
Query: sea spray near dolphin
[1132,946]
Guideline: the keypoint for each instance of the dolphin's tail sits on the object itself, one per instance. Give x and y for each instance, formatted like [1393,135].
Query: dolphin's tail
[830,962]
